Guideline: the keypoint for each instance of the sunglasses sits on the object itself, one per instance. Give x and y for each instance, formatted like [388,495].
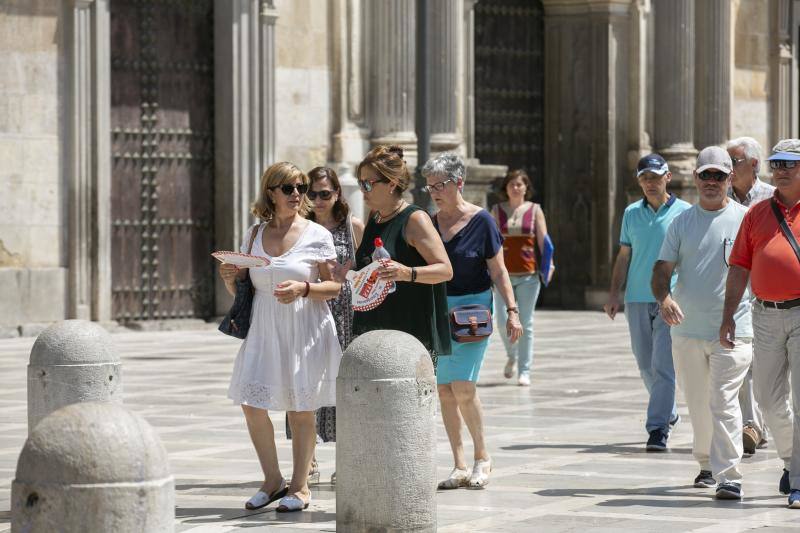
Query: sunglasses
[707,175]
[437,186]
[367,186]
[323,195]
[289,188]
[775,165]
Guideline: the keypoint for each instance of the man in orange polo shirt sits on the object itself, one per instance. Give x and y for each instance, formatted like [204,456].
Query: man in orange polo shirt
[764,255]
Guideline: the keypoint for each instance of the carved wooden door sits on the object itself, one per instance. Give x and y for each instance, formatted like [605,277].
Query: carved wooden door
[509,89]
[162,94]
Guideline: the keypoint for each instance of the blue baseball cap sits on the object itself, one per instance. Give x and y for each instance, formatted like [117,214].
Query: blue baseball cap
[786,150]
[652,163]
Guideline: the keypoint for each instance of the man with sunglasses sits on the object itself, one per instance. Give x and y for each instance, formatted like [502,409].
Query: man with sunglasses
[644,225]
[747,189]
[764,255]
[697,245]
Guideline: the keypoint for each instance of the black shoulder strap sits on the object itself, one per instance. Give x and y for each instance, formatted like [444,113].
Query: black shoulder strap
[785,228]
[253,238]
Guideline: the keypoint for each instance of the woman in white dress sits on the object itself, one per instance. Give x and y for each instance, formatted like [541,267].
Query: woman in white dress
[290,358]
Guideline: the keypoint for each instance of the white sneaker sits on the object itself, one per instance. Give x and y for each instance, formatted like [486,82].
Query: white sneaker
[524,380]
[508,371]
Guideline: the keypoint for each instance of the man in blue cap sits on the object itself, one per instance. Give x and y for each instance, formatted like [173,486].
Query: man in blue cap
[644,225]
[767,254]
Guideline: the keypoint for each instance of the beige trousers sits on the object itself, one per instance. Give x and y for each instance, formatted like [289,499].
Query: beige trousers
[710,377]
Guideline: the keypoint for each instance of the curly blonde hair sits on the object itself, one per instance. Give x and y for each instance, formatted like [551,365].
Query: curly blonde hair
[275,176]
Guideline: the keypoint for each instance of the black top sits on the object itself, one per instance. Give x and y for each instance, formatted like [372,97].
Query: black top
[418,309]
[469,249]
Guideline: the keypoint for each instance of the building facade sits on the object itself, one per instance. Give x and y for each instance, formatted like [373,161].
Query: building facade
[133,132]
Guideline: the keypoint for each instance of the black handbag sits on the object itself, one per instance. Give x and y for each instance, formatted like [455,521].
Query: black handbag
[470,323]
[237,322]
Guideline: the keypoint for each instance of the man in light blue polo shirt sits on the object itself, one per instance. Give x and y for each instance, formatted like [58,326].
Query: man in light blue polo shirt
[644,225]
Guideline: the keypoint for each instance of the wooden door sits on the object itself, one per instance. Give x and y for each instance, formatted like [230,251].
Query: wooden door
[509,88]
[162,94]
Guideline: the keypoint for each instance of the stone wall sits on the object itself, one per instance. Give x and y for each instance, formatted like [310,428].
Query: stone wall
[750,75]
[32,197]
[303,83]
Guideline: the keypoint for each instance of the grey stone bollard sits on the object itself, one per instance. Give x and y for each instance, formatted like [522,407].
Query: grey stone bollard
[385,439]
[93,467]
[72,361]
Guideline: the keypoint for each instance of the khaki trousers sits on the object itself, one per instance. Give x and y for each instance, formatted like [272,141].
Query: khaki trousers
[710,377]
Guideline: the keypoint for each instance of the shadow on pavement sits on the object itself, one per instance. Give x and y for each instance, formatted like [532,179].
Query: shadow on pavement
[211,515]
[614,448]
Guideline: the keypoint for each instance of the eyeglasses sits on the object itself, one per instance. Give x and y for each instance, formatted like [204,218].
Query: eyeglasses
[437,186]
[775,165]
[707,175]
[738,160]
[323,195]
[367,185]
[289,188]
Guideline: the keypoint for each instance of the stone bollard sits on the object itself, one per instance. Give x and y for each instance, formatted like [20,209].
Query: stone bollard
[72,361]
[385,440]
[93,467]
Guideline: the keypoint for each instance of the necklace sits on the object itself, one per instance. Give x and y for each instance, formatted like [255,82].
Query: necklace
[378,217]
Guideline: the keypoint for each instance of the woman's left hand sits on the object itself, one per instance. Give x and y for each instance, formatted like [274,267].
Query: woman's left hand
[550,274]
[288,291]
[513,327]
[394,271]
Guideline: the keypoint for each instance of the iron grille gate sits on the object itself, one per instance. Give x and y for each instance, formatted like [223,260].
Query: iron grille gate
[509,88]
[162,93]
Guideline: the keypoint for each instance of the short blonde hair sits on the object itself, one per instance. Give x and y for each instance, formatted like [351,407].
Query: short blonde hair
[275,176]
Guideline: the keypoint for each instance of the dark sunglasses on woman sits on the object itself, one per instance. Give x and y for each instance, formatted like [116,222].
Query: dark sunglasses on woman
[775,165]
[289,188]
[323,195]
[707,175]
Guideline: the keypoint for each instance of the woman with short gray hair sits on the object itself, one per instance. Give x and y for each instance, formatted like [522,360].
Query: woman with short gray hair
[475,249]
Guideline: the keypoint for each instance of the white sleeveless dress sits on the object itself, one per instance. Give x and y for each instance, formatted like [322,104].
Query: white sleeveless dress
[290,358]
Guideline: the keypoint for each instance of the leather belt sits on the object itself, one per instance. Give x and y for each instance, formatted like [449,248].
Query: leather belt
[788,304]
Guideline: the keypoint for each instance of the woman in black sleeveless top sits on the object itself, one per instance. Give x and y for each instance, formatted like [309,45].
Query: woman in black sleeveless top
[419,264]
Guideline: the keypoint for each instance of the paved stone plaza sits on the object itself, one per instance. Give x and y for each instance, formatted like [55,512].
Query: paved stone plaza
[568,452]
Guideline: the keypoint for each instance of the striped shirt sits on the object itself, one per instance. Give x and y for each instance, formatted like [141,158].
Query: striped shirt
[759,191]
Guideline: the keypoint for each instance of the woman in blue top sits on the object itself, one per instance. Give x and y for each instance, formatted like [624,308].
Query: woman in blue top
[474,246]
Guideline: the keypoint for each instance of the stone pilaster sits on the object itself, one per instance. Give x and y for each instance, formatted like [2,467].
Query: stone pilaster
[469,77]
[639,134]
[782,76]
[674,86]
[713,88]
[89,156]
[244,83]
[446,41]
[350,139]
[585,41]
[391,74]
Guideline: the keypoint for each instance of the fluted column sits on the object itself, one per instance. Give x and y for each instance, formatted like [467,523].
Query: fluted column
[712,121]
[392,74]
[782,76]
[446,40]
[674,84]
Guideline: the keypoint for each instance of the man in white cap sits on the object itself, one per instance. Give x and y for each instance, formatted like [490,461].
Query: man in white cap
[768,255]
[697,246]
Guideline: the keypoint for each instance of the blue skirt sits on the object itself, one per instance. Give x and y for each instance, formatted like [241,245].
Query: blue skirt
[464,363]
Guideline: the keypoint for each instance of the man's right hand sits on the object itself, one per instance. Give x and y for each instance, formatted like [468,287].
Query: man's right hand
[727,332]
[671,311]
[612,306]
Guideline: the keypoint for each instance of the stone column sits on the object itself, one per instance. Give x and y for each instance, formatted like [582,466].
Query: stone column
[638,99]
[391,74]
[713,88]
[674,86]
[469,77]
[244,115]
[89,156]
[446,40]
[782,76]
[350,138]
